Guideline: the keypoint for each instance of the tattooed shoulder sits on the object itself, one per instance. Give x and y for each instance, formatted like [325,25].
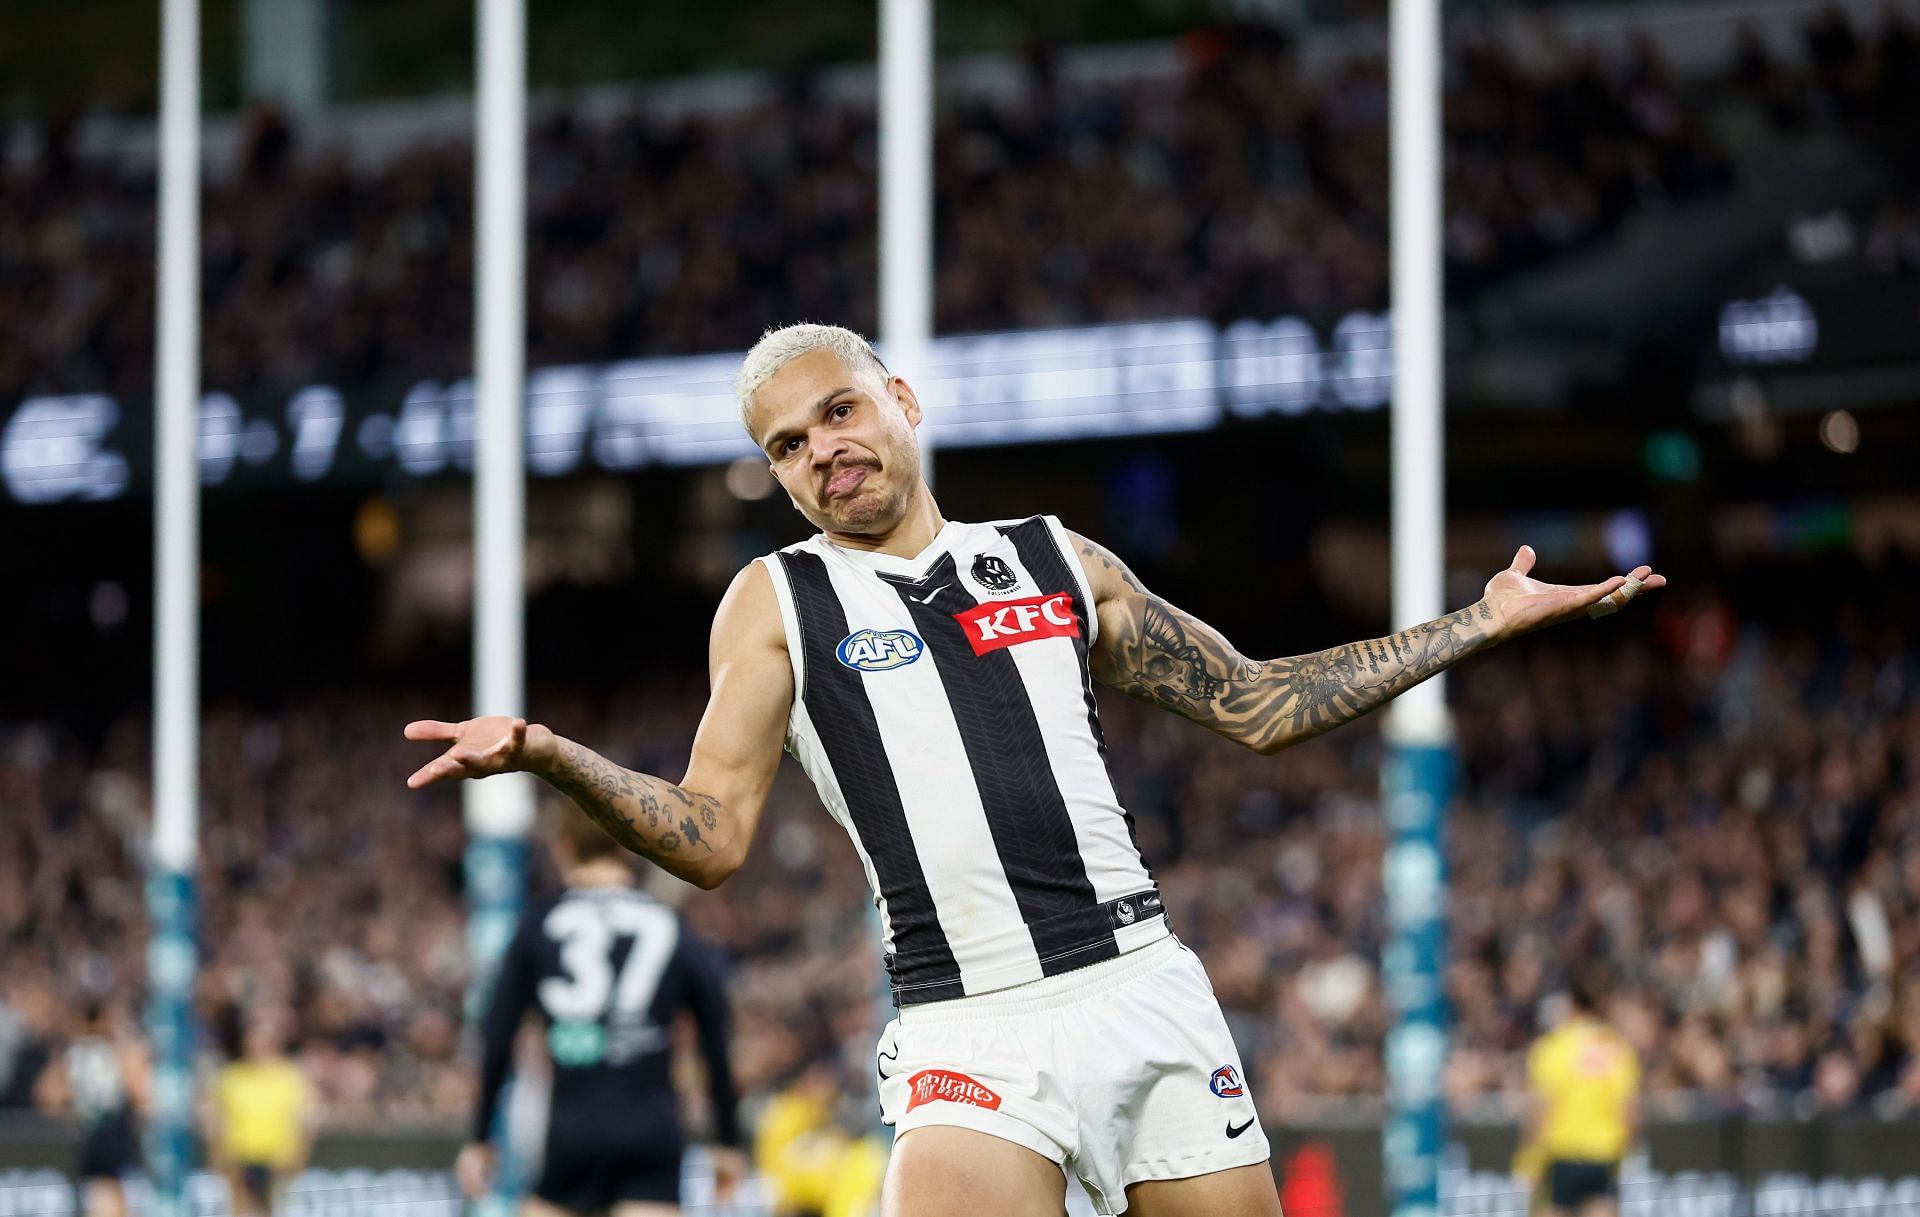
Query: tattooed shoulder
[1094,554]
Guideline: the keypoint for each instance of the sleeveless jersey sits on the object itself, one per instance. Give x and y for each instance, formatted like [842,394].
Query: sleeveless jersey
[94,1079]
[944,709]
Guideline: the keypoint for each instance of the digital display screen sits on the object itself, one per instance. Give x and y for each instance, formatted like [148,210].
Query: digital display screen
[1032,386]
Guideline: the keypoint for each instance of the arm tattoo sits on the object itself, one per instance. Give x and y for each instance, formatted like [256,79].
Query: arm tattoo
[618,800]
[1158,654]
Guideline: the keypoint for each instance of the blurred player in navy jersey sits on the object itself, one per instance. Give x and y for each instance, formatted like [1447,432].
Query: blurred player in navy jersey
[102,1078]
[609,969]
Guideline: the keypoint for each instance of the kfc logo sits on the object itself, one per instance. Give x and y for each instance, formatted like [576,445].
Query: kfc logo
[1005,623]
[945,1086]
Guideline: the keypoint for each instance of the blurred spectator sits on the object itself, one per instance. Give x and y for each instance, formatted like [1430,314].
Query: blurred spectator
[27,1017]
[1246,188]
[1893,240]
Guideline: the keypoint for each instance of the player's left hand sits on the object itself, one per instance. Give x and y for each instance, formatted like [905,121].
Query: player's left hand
[1520,604]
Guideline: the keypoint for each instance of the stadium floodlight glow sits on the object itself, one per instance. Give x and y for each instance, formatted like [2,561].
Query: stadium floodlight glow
[1778,328]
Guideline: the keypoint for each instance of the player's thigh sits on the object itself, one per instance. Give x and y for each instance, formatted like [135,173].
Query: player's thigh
[104,1198]
[941,1171]
[643,1208]
[1242,1191]
[534,1206]
[1600,1206]
[240,1201]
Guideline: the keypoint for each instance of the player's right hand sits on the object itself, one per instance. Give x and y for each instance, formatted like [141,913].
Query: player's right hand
[474,1169]
[729,1172]
[481,747]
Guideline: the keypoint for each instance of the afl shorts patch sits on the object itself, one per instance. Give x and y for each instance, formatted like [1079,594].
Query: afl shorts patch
[1121,1071]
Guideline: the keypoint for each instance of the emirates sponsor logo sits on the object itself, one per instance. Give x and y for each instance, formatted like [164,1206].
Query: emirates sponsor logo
[1003,623]
[946,1086]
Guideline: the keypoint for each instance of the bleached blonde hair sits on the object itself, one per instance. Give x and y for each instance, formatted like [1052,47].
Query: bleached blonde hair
[783,344]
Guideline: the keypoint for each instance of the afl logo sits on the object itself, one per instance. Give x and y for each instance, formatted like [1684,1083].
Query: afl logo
[879,650]
[993,573]
[1226,1082]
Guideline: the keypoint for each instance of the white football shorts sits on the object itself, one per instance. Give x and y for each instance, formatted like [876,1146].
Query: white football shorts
[1121,1071]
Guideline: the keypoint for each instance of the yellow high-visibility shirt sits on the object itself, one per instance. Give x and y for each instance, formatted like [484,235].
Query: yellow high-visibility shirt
[856,1185]
[1588,1077]
[262,1108]
[798,1149]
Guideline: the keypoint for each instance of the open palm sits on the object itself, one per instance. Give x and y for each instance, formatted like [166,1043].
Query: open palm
[480,747]
[1520,603]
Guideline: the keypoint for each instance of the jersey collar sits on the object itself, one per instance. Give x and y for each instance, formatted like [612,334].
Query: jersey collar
[888,564]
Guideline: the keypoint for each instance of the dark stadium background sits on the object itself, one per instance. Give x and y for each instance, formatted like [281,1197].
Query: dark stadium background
[1714,792]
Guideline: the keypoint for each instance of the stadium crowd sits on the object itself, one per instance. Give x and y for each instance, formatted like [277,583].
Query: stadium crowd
[1248,186]
[1728,819]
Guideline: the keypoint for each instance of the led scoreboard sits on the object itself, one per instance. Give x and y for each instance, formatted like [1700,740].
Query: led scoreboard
[1026,386]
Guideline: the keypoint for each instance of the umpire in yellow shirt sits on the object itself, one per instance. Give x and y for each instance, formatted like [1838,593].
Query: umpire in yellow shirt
[261,1118]
[1583,1110]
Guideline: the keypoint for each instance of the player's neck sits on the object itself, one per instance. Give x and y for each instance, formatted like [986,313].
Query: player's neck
[915,530]
[600,872]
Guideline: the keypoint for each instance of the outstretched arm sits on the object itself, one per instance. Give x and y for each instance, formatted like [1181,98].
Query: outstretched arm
[1152,651]
[700,827]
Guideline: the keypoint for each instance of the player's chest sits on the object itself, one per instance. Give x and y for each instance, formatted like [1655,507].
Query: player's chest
[972,612]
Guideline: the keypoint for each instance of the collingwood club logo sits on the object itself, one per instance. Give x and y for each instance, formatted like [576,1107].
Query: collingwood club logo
[993,573]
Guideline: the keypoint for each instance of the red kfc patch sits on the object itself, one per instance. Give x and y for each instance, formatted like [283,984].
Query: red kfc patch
[1004,623]
[946,1086]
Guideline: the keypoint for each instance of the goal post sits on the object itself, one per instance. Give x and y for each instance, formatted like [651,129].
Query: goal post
[1417,777]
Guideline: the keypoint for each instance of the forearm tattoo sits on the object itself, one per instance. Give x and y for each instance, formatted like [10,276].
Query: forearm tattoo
[1164,656]
[650,816]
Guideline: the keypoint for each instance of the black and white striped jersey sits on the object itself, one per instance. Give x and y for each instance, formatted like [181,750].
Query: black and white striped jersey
[944,709]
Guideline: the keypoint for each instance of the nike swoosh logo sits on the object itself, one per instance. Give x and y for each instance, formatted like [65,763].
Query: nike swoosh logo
[926,599]
[1234,1132]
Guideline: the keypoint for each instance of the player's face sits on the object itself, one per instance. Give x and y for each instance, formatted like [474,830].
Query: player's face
[841,442]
